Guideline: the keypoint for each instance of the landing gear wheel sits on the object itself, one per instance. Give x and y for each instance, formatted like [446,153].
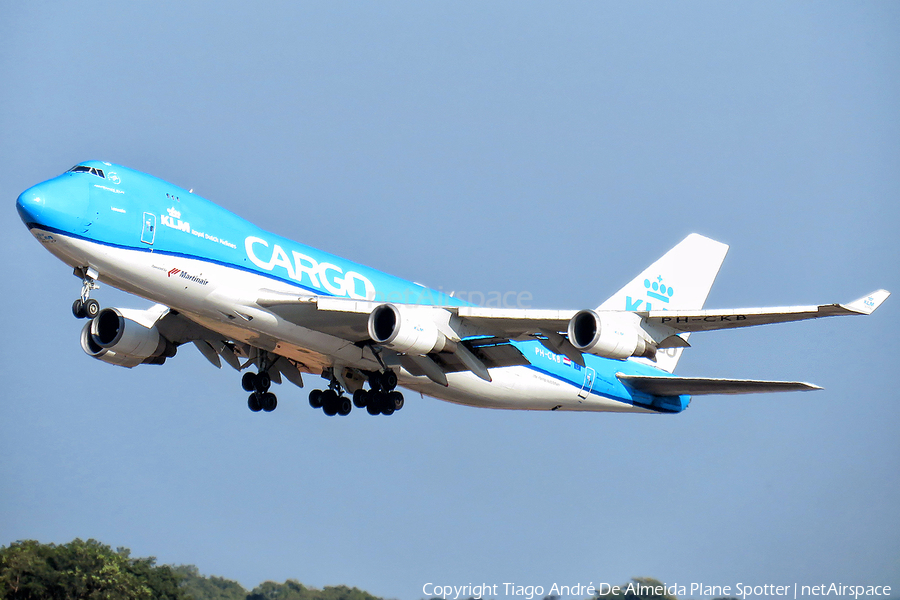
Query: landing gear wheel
[373,407]
[329,402]
[248,382]
[91,308]
[253,403]
[360,398]
[388,381]
[78,309]
[263,381]
[395,400]
[269,401]
[315,398]
[375,381]
[343,406]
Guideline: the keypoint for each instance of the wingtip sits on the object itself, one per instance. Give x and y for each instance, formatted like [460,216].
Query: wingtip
[867,304]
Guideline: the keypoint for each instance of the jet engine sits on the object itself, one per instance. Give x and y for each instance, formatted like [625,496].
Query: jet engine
[405,330]
[609,336]
[116,339]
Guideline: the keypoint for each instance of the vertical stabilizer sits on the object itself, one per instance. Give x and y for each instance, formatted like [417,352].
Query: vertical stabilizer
[680,280]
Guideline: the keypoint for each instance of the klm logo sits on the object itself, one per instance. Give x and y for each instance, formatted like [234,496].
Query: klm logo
[173,220]
[656,291]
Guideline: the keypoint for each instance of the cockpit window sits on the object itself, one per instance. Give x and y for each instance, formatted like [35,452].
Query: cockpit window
[86,169]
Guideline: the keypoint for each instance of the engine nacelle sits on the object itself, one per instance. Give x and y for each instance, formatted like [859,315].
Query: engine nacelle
[608,336]
[405,330]
[118,340]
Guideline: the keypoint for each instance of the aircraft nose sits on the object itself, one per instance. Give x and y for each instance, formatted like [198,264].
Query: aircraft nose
[59,203]
[31,204]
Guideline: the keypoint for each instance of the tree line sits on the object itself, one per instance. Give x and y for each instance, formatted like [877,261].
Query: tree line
[90,570]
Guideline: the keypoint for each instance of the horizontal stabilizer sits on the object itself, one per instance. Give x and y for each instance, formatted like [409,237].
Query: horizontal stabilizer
[698,386]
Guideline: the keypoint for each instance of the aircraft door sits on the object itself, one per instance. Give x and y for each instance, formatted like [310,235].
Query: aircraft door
[149,231]
[588,384]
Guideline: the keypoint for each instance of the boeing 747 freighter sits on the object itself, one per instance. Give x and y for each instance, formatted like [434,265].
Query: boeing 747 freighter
[277,310]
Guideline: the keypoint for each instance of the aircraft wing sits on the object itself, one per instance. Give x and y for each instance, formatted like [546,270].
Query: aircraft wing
[708,320]
[465,325]
[524,323]
[696,386]
[473,348]
[340,317]
[347,318]
[179,329]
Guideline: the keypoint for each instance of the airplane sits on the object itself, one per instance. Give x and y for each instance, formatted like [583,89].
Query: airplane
[277,309]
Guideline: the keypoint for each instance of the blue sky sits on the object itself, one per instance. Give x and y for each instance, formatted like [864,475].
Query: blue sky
[554,149]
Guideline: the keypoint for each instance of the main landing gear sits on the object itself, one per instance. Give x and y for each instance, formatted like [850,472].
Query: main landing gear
[258,384]
[260,397]
[381,399]
[332,401]
[85,307]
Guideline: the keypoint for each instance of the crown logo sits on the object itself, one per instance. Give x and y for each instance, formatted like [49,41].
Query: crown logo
[659,290]
[175,214]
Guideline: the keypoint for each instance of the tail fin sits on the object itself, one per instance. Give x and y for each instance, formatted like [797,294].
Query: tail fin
[680,280]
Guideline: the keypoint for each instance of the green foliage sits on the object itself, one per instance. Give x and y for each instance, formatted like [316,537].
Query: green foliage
[163,582]
[81,570]
[198,587]
[90,570]
[294,590]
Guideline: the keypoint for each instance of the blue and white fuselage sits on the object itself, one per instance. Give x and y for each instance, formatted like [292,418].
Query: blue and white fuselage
[156,240]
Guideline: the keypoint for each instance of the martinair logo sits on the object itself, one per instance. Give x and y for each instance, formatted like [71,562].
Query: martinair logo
[656,291]
[188,276]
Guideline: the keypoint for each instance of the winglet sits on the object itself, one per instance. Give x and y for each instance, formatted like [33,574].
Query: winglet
[867,304]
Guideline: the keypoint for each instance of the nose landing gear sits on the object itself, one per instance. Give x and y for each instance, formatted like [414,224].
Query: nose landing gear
[85,307]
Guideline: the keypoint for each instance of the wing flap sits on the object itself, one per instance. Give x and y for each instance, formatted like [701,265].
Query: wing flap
[492,352]
[699,386]
[341,318]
